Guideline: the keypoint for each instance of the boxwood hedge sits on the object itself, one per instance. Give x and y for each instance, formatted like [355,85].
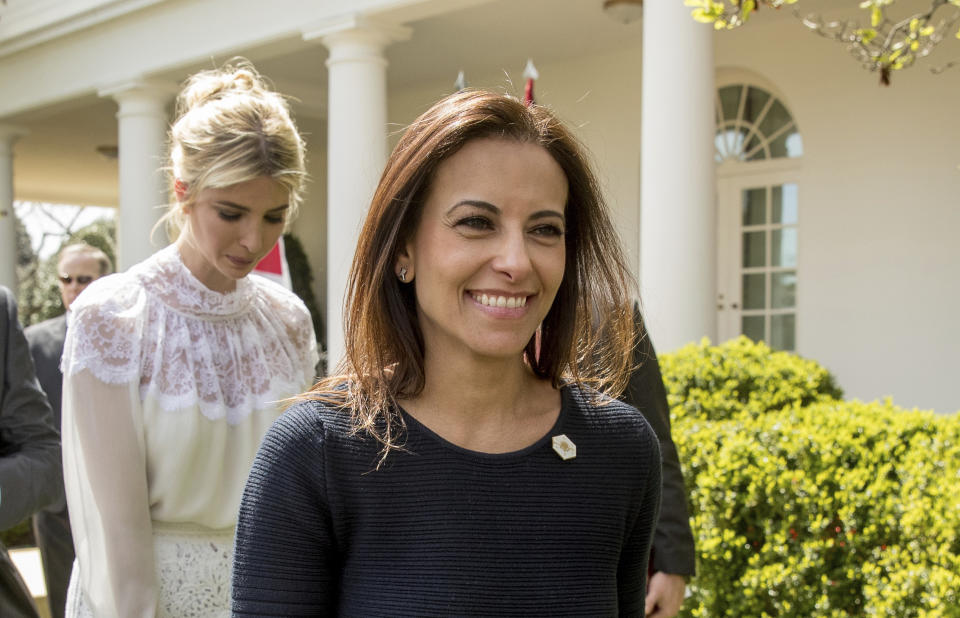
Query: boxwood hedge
[806,505]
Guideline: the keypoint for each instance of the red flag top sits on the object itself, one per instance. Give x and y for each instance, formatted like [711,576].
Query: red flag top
[530,73]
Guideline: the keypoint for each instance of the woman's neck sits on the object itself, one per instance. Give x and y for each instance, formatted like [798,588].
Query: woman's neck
[205,272]
[487,405]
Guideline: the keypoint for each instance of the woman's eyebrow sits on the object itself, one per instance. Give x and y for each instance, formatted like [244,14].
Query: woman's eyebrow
[540,214]
[476,204]
[247,209]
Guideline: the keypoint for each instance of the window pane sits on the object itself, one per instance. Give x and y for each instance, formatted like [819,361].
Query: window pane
[783,290]
[754,249]
[755,206]
[783,331]
[785,204]
[783,247]
[756,100]
[752,326]
[776,117]
[723,141]
[787,144]
[794,143]
[735,139]
[728,142]
[730,101]
[759,155]
[754,291]
[751,147]
[761,113]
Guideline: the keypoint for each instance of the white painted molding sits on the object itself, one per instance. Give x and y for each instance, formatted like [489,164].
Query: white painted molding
[27,23]
[139,86]
[387,32]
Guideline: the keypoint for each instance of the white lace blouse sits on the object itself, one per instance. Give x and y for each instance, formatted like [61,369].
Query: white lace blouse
[168,389]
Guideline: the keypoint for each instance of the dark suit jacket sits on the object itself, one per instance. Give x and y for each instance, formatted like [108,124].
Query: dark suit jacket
[31,477]
[673,549]
[30,474]
[46,348]
[51,528]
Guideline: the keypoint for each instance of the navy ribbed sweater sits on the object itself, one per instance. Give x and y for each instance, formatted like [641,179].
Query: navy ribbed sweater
[443,531]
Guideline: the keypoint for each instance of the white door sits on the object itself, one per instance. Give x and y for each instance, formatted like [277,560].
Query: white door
[757,257]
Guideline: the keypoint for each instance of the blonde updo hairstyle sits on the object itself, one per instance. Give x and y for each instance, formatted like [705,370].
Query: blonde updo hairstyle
[231,128]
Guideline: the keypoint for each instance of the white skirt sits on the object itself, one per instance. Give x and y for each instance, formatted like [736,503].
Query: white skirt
[193,574]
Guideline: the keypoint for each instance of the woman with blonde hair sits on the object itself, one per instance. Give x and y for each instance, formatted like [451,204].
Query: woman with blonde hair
[467,457]
[173,369]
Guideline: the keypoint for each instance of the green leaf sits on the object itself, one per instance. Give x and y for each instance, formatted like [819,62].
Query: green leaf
[866,34]
[703,16]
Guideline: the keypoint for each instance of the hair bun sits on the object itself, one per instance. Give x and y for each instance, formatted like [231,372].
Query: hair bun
[216,84]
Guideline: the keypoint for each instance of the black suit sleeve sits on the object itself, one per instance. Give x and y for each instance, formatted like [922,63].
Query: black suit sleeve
[673,549]
[31,477]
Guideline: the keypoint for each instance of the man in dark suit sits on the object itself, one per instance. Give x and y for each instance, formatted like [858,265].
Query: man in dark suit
[31,476]
[673,557]
[78,266]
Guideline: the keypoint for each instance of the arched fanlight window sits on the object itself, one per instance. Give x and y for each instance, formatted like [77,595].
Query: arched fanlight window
[753,125]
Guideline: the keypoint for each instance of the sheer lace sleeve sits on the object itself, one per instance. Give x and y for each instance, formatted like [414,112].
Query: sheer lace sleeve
[106,329]
[106,483]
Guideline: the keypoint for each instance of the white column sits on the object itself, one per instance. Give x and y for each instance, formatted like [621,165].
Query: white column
[8,236]
[356,146]
[142,128]
[677,195]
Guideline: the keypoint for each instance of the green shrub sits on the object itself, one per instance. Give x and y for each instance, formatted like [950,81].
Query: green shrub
[718,382]
[829,509]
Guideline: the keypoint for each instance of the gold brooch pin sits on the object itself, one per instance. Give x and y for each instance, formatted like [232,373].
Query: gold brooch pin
[564,446]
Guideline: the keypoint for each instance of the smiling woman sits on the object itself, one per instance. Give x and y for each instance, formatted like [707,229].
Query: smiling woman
[173,369]
[466,458]
[488,255]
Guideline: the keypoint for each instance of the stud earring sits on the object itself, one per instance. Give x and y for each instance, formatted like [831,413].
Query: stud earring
[403,274]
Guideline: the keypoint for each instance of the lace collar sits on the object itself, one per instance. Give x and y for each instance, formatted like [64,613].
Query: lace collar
[165,276]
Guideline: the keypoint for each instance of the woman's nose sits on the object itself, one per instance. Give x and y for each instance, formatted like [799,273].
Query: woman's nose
[513,256]
[252,239]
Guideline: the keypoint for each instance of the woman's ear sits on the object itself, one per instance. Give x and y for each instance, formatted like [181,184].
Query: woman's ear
[403,268]
[180,190]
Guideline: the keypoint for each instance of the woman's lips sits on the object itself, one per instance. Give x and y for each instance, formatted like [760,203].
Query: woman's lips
[239,261]
[510,301]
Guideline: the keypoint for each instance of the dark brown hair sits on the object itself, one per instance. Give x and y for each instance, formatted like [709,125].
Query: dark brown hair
[588,334]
